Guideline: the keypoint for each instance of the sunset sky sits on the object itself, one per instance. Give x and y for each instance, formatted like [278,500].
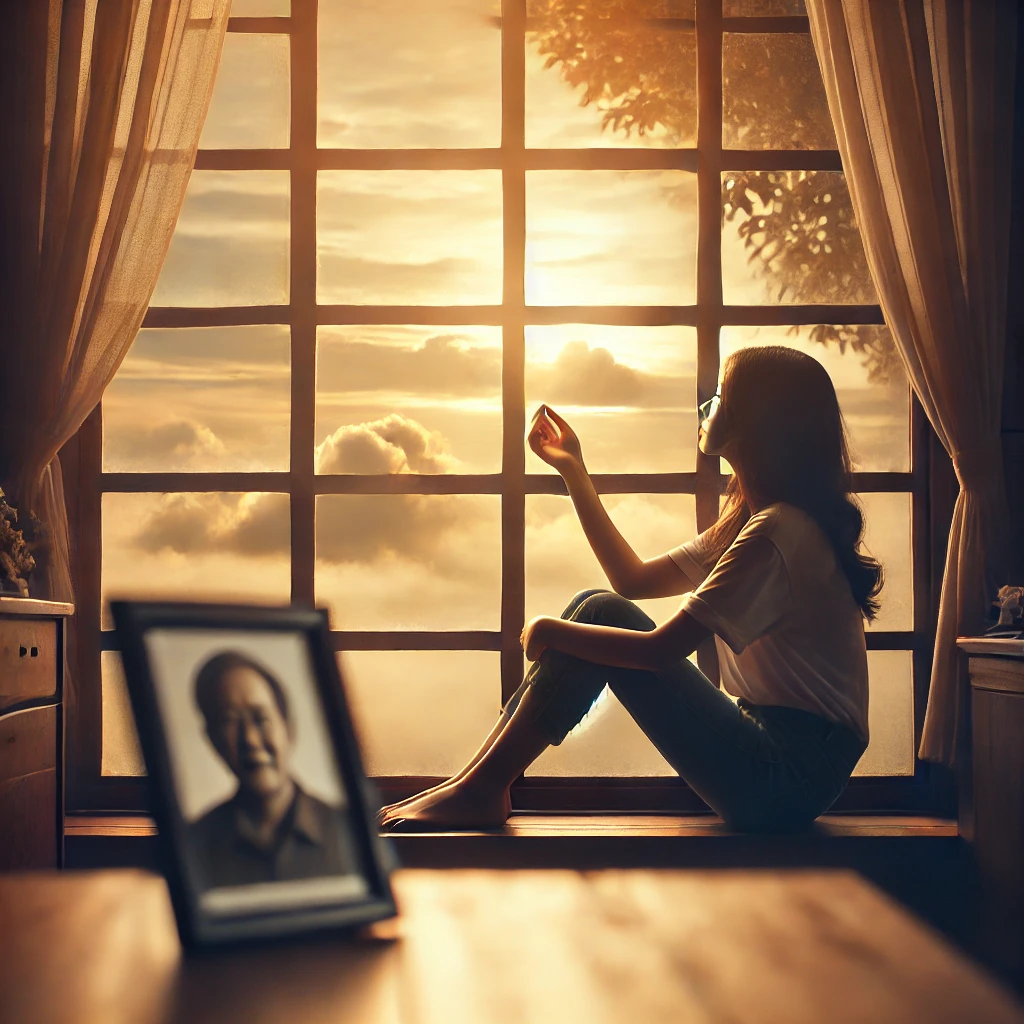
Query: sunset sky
[401,398]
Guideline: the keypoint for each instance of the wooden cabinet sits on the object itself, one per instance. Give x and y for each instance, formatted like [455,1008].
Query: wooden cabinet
[31,733]
[997,726]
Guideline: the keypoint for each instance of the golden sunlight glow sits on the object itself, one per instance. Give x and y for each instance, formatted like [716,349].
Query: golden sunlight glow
[398,398]
[409,237]
[611,237]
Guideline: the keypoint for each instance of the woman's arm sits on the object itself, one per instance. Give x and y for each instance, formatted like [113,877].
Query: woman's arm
[670,642]
[629,575]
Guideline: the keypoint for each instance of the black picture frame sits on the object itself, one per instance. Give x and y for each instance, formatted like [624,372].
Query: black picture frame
[206,926]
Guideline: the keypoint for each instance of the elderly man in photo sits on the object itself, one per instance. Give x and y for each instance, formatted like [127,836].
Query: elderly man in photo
[271,829]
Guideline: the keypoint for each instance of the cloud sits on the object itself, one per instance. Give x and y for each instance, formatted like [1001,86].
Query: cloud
[447,279]
[446,202]
[441,365]
[178,441]
[393,444]
[242,265]
[581,375]
[250,102]
[437,84]
[247,524]
[559,561]
[372,528]
[409,236]
[357,529]
[230,350]
[248,200]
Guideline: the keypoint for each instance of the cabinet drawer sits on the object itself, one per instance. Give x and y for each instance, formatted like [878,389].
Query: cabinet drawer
[1001,674]
[29,789]
[28,660]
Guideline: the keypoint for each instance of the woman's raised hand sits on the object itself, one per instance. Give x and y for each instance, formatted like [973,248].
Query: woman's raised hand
[554,441]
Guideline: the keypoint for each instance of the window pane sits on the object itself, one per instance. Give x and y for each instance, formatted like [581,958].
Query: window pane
[606,743]
[408,399]
[409,561]
[230,245]
[120,751]
[398,75]
[791,236]
[887,537]
[763,8]
[665,11]
[872,388]
[784,67]
[196,546]
[890,715]
[210,399]
[630,394]
[421,712]
[559,562]
[416,237]
[611,237]
[260,8]
[251,104]
[610,75]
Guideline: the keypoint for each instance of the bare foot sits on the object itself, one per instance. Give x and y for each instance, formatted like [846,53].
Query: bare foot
[391,810]
[459,805]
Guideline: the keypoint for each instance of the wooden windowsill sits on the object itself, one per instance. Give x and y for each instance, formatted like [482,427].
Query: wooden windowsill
[590,841]
[595,826]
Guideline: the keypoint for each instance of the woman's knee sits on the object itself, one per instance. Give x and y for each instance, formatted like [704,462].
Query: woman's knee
[606,608]
[578,600]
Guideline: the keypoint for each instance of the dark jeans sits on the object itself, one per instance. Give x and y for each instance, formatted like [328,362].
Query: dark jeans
[760,768]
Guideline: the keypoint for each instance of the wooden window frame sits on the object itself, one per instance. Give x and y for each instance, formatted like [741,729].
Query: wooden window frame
[87,789]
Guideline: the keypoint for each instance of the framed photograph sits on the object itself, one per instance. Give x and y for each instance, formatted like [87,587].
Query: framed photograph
[267,822]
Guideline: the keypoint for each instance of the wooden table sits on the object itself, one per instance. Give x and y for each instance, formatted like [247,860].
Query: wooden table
[472,947]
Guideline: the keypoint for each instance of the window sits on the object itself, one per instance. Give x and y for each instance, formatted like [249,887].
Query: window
[383,265]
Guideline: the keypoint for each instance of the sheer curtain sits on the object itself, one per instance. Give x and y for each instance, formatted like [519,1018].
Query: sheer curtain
[127,86]
[921,93]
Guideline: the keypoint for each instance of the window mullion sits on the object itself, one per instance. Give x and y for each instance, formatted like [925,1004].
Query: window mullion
[83,693]
[303,295]
[709,234]
[513,388]
[709,258]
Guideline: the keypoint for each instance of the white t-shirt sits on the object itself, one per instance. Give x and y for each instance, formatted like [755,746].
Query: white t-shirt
[778,598]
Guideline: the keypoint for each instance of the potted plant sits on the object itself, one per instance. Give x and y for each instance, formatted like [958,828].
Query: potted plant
[16,559]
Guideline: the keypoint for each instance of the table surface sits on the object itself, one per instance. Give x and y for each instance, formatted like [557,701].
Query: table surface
[473,947]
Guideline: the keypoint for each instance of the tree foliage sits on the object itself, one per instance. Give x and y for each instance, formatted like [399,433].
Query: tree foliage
[636,63]
[639,78]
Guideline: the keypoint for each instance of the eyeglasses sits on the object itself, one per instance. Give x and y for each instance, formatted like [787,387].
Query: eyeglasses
[708,409]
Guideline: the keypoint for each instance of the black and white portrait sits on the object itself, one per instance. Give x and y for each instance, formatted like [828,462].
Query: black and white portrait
[253,768]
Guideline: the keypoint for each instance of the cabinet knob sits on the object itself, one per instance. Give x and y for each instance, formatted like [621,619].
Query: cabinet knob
[22,652]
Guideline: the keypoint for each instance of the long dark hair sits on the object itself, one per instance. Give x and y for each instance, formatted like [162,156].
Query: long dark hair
[788,441]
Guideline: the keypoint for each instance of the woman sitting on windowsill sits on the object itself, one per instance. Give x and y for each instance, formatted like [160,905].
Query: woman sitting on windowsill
[778,578]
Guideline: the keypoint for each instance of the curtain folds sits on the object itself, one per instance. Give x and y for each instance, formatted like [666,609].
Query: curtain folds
[127,86]
[921,94]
